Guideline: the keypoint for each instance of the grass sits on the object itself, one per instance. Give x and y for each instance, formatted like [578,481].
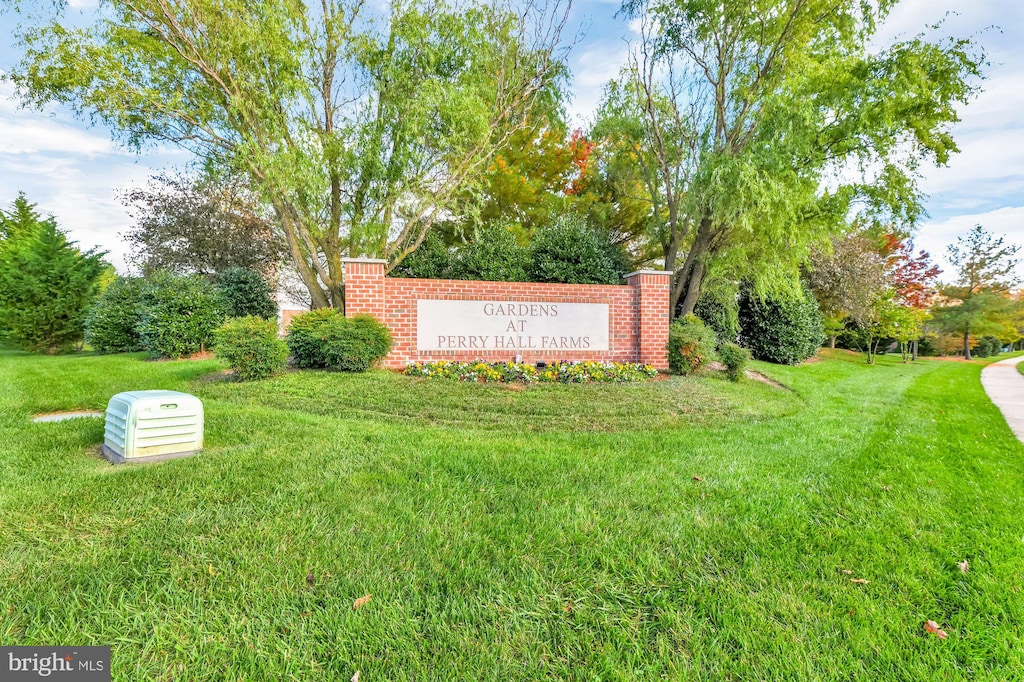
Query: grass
[548,533]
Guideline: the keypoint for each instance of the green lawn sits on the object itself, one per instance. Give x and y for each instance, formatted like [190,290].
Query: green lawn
[548,533]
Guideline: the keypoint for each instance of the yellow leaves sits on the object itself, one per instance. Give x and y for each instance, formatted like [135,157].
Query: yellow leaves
[931,627]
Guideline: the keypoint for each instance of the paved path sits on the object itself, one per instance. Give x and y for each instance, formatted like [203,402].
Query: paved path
[1005,386]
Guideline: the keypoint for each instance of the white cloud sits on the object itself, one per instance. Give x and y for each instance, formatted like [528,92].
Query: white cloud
[934,236]
[71,172]
[593,69]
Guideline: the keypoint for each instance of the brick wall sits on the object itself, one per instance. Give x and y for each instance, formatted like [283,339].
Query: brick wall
[638,313]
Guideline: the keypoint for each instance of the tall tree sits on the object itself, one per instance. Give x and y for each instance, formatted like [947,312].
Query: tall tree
[766,125]
[190,224]
[358,126]
[914,279]
[979,301]
[46,283]
[849,280]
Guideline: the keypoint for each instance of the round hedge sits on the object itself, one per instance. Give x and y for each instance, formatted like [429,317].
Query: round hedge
[783,330]
[691,344]
[111,325]
[251,347]
[246,294]
[178,314]
[326,339]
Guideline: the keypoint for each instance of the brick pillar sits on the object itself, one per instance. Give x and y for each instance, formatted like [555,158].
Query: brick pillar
[364,287]
[653,289]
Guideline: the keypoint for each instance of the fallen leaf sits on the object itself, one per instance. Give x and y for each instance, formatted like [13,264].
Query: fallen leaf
[568,607]
[932,627]
[852,612]
[859,581]
[305,614]
[361,602]
[697,478]
[964,566]
[885,488]
[846,571]
[310,579]
[355,678]
[209,568]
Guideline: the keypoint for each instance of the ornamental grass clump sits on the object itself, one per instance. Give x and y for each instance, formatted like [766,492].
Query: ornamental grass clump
[517,372]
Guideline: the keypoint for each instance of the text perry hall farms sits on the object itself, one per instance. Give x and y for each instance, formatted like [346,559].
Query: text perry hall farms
[510,325]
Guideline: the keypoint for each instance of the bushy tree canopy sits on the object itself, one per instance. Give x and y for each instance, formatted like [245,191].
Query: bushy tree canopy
[46,282]
[358,123]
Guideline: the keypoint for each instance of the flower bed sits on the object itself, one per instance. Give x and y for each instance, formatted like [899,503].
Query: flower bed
[513,372]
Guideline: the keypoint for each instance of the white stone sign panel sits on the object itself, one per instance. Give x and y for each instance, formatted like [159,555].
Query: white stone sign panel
[510,326]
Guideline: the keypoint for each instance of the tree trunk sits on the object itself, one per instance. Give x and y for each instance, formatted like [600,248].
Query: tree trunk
[832,342]
[687,289]
[967,345]
[317,296]
[914,347]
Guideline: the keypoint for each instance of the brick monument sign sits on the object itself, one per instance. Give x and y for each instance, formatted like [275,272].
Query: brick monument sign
[459,320]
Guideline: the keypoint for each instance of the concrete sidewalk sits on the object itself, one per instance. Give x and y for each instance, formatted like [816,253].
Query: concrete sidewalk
[1005,386]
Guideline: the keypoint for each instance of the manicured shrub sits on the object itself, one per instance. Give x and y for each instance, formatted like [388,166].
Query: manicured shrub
[988,347]
[735,358]
[570,251]
[326,339]
[251,347]
[517,372]
[783,330]
[179,314]
[432,260]
[362,343]
[111,325]
[717,307]
[307,333]
[691,344]
[246,293]
[494,255]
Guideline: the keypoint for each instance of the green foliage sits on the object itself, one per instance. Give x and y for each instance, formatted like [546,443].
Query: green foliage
[179,314]
[246,293]
[570,251]
[112,323]
[979,300]
[566,251]
[691,344]
[517,372]
[783,330]
[989,346]
[359,125]
[492,255]
[748,185]
[326,339]
[46,283]
[432,260]
[251,347]
[306,335]
[718,309]
[735,358]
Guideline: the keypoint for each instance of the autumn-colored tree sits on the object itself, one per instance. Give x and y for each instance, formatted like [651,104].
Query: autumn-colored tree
[849,281]
[914,279]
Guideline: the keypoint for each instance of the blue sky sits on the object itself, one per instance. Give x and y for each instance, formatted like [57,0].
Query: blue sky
[74,171]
